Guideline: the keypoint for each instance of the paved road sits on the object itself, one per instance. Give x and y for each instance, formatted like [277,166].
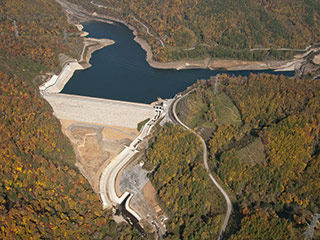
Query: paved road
[205,160]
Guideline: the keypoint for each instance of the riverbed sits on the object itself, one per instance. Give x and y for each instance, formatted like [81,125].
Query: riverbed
[121,72]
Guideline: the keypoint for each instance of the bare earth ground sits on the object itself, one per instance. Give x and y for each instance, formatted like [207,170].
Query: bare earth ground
[237,64]
[96,145]
[316,59]
[109,131]
[149,194]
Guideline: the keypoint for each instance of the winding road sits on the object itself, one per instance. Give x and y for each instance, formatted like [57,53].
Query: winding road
[205,160]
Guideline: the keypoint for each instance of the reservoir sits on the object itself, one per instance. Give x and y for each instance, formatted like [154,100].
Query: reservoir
[121,72]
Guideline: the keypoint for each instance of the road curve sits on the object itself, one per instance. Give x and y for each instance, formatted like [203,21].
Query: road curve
[205,160]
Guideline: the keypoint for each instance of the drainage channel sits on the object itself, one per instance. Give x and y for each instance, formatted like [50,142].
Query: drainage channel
[121,210]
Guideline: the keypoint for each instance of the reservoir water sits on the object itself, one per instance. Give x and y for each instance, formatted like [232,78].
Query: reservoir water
[120,71]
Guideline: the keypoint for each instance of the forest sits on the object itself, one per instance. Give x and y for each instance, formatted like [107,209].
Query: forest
[194,206]
[265,152]
[232,29]
[42,194]
[269,161]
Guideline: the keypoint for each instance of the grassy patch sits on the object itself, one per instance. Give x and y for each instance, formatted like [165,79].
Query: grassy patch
[226,111]
[253,153]
[197,110]
[142,123]
[217,109]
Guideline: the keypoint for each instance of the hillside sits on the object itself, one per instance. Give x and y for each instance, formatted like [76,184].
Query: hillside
[195,207]
[262,131]
[268,161]
[42,194]
[250,30]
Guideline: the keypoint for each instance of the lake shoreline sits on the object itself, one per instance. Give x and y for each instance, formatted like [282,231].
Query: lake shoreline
[57,82]
[77,14]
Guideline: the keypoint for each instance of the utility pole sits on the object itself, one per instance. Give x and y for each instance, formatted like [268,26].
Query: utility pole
[16,33]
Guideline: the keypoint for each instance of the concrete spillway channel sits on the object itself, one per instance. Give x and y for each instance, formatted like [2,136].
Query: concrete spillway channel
[107,186]
[123,210]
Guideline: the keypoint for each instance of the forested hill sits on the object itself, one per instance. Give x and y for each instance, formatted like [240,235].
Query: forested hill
[263,136]
[219,28]
[42,195]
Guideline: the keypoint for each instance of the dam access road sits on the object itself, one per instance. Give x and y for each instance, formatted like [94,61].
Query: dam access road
[174,117]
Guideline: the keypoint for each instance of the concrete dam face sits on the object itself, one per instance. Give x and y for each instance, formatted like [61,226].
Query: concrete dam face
[99,111]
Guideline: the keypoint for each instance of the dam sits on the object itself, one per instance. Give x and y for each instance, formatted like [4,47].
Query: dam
[119,72]
[98,110]
[99,127]
[103,132]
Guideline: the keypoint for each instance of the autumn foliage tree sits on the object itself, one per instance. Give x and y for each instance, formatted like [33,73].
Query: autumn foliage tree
[195,207]
[42,194]
[219,29]
[275,185]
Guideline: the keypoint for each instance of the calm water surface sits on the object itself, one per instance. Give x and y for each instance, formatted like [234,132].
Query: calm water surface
[121,72]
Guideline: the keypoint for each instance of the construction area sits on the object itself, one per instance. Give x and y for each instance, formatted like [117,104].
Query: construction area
[99,130]
[134,180]
[96,146]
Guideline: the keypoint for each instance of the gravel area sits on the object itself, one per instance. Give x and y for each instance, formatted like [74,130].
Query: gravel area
[133,179]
